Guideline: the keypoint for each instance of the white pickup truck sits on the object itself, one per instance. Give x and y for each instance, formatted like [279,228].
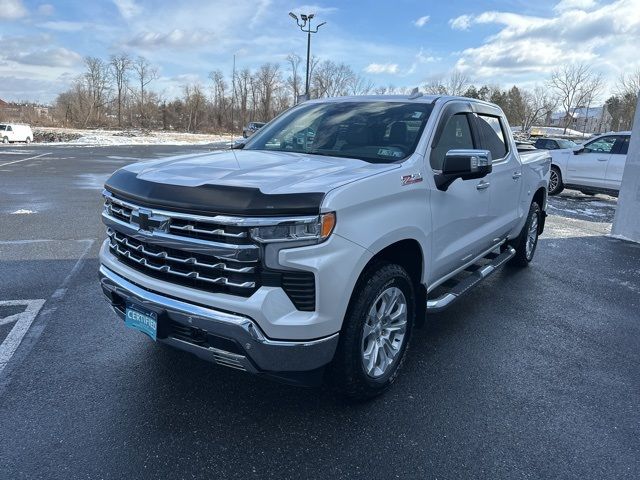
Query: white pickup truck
[326,238]
[595,167]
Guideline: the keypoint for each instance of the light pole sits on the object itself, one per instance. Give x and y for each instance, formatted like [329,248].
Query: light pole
[302,22]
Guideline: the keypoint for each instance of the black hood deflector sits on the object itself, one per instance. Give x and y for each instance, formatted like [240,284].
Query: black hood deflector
[211,199]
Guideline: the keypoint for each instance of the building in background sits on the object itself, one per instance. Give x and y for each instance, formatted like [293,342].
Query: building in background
[30,113]
[590,120]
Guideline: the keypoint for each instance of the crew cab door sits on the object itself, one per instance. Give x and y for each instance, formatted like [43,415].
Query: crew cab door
[459,214]
[588,166]
[504,181]
[617,160]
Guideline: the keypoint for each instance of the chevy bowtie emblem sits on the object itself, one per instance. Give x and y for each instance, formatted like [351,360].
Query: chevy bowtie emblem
[147,221]
[411,179]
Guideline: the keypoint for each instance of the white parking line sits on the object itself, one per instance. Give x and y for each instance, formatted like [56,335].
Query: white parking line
[23,321]
[24,159]
[27,330]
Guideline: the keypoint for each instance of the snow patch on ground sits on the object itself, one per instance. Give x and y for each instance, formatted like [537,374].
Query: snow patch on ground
[138,137]
[23,211]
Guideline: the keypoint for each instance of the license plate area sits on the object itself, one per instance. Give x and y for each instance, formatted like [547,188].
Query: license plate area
[141,319]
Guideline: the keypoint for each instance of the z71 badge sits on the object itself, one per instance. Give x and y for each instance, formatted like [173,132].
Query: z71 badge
[411,179]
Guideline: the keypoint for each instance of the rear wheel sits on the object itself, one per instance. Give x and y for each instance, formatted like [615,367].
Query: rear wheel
[5,140]
[527,241]
[376,332]
[555,181]
[27,141]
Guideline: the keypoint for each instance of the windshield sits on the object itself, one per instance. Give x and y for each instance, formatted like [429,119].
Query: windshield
[3,127]
[566,144]
[377,132]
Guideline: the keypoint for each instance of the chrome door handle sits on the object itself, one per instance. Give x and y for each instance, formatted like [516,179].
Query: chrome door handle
[483,185]
[516,175]
[603,159]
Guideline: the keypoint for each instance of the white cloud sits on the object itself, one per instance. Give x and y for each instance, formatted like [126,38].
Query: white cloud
[463,22]
[377,68]
[176,38]
[127,8]
[12,9]
[46,9]
[52,57]
[527,45]
[564,5]
[422,21]
[64,26]
[316,9]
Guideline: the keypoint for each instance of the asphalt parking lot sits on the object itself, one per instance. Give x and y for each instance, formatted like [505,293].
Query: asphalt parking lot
[533,375]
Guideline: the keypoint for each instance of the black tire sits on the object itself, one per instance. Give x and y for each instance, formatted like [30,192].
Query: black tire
[348,372]
[5,140]
[27,141]
[555,181]
[523,254]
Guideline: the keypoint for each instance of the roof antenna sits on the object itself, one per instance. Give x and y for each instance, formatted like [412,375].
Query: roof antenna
[415,93]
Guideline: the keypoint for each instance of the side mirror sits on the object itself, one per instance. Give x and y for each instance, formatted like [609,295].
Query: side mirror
[238,144]
[578,150]
[464,164]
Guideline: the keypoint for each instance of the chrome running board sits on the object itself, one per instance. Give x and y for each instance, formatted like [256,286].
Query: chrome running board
[446,296]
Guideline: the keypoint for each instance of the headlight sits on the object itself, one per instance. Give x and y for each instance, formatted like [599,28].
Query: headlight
[309,229]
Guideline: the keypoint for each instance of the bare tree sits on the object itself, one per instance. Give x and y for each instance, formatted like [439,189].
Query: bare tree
[294,80]
[98,85]
[269,80]
[332,79]
[629,83]
[146,74]
[194,103]
[219,89]
[456,84]
[575,85]
[120,66]
[537,106]
[358,85]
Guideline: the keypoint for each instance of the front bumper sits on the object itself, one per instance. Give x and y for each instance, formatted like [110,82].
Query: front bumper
[224,338]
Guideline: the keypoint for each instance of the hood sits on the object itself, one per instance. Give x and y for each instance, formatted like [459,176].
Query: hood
[270,172]
[239,182]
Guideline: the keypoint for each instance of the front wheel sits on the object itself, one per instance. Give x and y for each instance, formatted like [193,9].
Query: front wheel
[527,241]
[555,181]
[376,332]
[5,140]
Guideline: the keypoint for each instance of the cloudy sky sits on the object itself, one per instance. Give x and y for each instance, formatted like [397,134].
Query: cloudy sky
[398,42]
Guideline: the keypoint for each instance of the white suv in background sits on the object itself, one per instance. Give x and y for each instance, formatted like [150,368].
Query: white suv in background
[595,167]
[13,132]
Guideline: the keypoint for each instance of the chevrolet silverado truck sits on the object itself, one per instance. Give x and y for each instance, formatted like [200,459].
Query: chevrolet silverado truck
[312,251]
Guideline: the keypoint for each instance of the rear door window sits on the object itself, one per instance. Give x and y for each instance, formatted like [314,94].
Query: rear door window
[492,136]
[622,146]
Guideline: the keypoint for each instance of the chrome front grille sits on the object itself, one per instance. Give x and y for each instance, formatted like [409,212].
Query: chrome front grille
[181,225]
[211,253]
[190,268]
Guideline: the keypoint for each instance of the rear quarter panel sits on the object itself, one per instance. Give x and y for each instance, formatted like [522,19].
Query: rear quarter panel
[536,166]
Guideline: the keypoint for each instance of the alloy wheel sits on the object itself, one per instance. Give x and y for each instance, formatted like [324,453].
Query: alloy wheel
[532,235]
[384,332]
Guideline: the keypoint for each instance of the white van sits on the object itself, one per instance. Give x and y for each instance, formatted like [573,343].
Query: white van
[12,132]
